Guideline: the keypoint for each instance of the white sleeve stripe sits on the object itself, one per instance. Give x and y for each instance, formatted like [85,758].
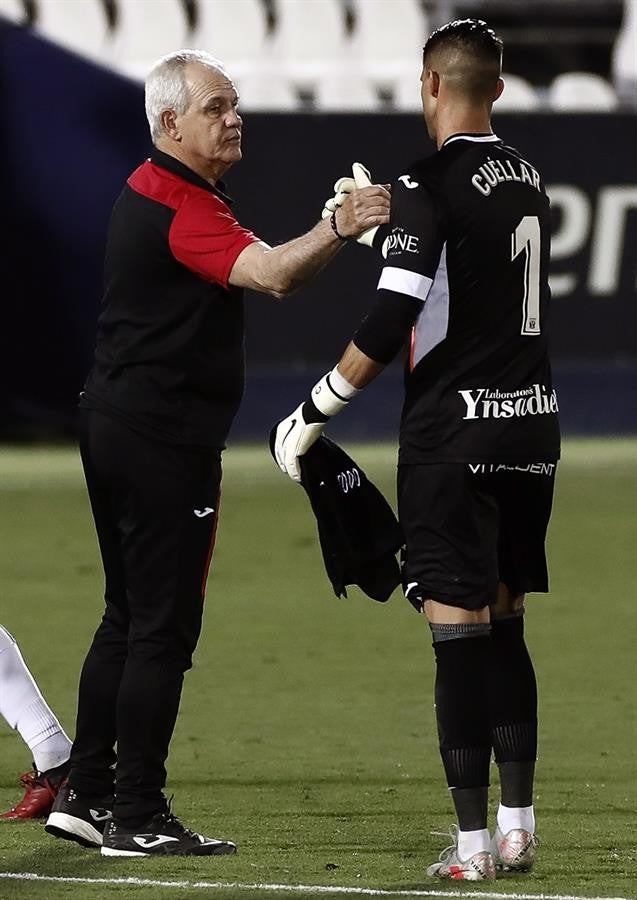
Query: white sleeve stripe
[405,282]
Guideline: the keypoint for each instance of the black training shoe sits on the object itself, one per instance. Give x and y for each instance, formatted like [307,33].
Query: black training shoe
[78,817]
[161,835]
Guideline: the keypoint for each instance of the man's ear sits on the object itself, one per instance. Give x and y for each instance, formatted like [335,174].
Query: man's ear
[433,80]
[498,88]
[169,122]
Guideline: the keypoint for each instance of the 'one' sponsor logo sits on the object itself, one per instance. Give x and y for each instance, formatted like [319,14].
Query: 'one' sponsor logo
[400,242]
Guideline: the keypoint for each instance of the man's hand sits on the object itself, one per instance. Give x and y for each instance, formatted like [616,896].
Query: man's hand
[294,437]
[345,185]
[357,202]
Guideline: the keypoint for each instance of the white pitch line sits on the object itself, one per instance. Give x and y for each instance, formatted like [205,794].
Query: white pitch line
[294,888]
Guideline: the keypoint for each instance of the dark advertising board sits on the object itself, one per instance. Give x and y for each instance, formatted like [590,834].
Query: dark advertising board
[64,162]
[589,163]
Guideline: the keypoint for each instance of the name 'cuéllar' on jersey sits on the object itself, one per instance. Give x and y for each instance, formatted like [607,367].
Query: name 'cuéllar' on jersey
[469,236]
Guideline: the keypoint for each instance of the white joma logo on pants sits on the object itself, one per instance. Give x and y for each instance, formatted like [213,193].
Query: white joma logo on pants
[200,513]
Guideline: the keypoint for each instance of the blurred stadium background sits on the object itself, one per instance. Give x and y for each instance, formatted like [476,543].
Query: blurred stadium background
[323,82]
[321,759]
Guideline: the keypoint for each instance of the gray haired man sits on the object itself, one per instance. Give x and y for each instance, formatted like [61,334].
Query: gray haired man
[155,414]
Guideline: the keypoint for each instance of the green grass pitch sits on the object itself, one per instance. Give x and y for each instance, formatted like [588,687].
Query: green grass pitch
[306,731]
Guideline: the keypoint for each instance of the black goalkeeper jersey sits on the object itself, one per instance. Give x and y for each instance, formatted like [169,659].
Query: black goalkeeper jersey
[469,238]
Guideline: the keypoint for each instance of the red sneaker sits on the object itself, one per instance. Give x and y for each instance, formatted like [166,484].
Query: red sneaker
[38,799]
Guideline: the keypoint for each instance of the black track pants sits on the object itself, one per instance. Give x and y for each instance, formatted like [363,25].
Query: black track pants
[155,507]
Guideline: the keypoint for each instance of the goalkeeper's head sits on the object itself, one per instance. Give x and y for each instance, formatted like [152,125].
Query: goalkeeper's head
[462,64]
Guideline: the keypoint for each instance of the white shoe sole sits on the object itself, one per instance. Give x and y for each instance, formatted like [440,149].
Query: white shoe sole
[229,849]
[464,876]
[73,829]
[111,851]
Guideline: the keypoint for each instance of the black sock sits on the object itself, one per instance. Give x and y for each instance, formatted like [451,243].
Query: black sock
[516,783]
[471,805]
[513,701]
[464,728]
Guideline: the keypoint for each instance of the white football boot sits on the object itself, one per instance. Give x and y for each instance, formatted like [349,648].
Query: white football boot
[515,850]
[479,867]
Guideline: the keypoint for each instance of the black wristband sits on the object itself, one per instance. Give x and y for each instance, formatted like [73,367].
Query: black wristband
[335,229]
[311,414]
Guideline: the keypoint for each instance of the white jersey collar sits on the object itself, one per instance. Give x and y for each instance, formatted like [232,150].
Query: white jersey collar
[474,138]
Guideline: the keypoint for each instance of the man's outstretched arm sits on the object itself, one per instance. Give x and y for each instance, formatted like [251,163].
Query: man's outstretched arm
[281,270]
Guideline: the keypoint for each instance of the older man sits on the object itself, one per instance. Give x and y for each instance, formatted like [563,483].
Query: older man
[155,414]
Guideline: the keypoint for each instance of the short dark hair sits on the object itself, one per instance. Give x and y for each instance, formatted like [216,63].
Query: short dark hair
[472,35]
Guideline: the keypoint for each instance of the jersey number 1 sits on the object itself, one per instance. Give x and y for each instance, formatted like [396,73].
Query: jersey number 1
[526,239]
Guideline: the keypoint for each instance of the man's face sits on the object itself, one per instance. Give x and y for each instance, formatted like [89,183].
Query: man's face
[210,129]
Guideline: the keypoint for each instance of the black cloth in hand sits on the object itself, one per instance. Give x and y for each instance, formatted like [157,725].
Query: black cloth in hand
[358,531]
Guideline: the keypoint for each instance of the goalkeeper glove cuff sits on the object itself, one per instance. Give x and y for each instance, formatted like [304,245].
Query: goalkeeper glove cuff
[295,435]
[331,394]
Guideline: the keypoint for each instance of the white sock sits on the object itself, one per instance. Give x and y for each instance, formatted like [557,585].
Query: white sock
[53,750]
[510,817]
[26,710]
[471,842]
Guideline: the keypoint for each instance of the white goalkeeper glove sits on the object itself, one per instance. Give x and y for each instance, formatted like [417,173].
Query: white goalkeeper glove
[295,434]
[344,186]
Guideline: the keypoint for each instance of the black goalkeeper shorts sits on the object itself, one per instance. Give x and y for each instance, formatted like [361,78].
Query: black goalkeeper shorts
[468,527]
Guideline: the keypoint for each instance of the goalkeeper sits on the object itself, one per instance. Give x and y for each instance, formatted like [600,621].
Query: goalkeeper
[466,280]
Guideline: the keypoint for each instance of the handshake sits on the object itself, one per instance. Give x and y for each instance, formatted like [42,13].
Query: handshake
[372,207]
